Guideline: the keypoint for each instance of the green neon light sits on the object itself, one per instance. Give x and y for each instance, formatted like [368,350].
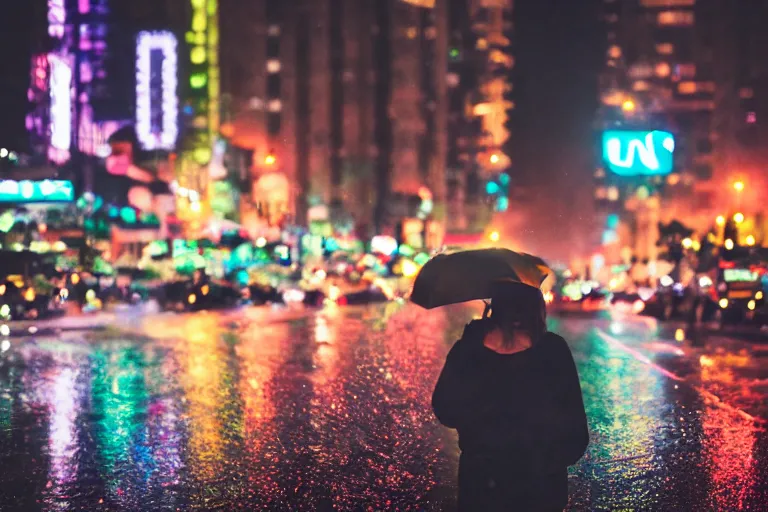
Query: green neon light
[45,191]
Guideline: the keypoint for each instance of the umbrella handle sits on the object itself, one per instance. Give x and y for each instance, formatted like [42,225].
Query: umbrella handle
[487,310]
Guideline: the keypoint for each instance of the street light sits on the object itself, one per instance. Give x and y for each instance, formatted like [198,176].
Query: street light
[687,243]
[270,160]
[738,218]
[494,158]
[738,186]
[729,244]
[495,236]
[720,220]
[750,240]
[628,106]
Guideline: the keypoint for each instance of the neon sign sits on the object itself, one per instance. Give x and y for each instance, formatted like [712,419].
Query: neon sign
[57,17]
[45,191]
[203,40]
[639,153]
[61,108]
[156,121]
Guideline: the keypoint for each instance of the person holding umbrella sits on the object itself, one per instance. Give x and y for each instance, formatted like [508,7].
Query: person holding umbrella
[509,387]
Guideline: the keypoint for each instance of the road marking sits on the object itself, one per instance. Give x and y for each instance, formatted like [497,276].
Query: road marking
[709,396]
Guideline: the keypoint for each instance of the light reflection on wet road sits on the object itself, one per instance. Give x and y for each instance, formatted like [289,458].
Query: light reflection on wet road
[322,410]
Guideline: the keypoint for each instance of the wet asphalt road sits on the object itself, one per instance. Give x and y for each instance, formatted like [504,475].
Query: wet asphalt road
[276,410]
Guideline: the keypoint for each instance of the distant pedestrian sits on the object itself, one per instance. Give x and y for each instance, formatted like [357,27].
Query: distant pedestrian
[511,390]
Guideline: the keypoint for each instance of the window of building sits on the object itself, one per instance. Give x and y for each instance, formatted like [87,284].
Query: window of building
[614,52]
[675,18]
[411,32]
[273,86]
[667,3]
[273,30]
[686,87]
[273,66]
[275,105]
[663,70]
[665,48]
[703,171]
[273,123]
[641,86]
[482,44]
[685,70]
[746,93]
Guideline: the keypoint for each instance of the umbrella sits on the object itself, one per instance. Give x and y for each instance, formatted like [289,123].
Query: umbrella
[450,278]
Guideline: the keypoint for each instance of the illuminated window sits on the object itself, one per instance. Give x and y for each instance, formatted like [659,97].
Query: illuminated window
[411,32]
[430,33]
[273,30]
[665,48]
[641,86]
[274,106]
[663,70]
[685,70]
[61,106]
[273,66]
[667,3]
[482,44]
[746,93]
[614,52]
[675,18]
[686,87]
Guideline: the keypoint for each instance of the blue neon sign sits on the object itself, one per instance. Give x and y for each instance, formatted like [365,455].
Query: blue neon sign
[638,153]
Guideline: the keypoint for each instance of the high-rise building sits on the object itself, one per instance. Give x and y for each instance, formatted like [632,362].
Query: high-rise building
[659,75]
[342,101]
[691,68]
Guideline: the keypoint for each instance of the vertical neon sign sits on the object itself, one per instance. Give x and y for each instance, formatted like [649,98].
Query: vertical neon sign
[61,108]
[57,18]
[151,136]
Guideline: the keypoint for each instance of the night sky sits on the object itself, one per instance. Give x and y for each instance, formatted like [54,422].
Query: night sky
[558,46]
[20,26]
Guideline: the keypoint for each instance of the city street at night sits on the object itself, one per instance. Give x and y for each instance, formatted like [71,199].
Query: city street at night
[270,408]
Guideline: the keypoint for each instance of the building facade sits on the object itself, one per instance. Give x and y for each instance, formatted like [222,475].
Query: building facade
[692,68]
[343,102]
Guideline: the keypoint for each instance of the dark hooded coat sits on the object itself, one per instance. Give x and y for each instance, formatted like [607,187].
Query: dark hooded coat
[520,419]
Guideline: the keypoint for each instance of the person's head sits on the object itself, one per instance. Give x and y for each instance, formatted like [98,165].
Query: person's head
[516,307]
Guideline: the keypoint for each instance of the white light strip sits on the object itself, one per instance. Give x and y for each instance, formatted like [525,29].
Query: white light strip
[61,102]
[146,43]
[57,17]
